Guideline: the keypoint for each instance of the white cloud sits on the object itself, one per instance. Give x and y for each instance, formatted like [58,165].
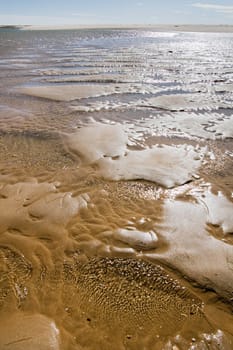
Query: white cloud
[217,8]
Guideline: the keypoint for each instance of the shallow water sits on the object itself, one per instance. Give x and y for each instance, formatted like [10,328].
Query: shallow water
[116,159]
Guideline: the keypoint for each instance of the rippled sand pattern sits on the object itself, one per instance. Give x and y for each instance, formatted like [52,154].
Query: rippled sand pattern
[145,296]
[116,190]
[94,292]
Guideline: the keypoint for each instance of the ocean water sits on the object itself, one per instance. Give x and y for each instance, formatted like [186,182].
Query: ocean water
[116,159]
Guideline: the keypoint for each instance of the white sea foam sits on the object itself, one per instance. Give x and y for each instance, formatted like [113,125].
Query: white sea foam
[97,141]
[191,248]
[223,128]
[185,124]
[165,165]
[136,239]
[219,210]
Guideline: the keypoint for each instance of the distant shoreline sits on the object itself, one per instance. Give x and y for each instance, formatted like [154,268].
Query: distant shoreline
[158,28]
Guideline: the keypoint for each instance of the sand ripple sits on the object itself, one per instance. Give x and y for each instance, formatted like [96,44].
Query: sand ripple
[89,293]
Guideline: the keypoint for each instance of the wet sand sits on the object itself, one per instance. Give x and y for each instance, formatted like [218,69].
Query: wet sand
[115,195]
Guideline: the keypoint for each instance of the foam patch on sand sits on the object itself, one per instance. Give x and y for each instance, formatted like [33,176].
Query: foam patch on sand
[38,208]
[191,248]
[97,141]
[219,210]
[223,128]
[212,126]
[106,146]
[167,165]
[134,238]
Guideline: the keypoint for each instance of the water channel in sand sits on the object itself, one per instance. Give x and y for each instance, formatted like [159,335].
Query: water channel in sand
[116,160]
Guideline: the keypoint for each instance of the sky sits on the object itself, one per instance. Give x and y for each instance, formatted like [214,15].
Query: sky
[78,12]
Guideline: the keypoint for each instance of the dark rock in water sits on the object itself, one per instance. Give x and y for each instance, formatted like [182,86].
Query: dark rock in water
[9,27]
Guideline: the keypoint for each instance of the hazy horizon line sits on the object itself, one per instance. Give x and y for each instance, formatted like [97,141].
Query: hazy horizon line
[115,24]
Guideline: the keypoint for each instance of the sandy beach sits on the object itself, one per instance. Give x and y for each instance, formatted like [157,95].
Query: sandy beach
[116,187]
[158,28]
